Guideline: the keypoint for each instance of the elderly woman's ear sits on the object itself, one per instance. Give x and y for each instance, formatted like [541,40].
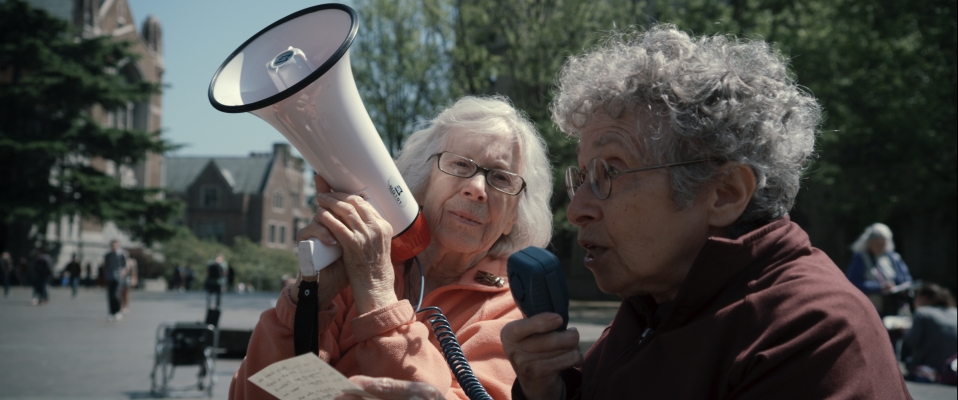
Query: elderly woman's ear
[729,194]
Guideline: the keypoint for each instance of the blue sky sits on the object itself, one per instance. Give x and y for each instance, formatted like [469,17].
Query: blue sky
[197,38]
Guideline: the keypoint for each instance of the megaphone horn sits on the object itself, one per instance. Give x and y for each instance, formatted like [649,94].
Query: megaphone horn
[295,75]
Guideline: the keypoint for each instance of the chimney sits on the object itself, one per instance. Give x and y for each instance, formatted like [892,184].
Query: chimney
[281,149]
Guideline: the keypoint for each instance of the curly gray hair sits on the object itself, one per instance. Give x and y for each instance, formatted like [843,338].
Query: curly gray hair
[489,115]
[719,98]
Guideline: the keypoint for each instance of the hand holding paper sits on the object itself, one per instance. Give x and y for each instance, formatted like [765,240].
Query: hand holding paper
[305,377]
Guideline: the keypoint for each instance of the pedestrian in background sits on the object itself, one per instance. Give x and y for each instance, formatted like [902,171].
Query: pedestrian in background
[129,281]
[230,278]
[73,273]
[89,275]
[41,273]
[114,270]
[176,281]
[22,273]
[879,271]
[188,278]
[215,277]
[6,269]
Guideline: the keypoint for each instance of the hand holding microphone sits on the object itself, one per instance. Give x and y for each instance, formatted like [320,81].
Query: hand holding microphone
[539,347]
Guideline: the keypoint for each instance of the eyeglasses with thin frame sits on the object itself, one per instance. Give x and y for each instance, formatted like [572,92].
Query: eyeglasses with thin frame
[600,176]
[463,167]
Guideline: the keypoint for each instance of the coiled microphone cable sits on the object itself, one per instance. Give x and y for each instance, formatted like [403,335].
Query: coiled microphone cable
[451,349]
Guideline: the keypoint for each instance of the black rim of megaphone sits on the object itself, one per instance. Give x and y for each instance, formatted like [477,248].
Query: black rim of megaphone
[354,26]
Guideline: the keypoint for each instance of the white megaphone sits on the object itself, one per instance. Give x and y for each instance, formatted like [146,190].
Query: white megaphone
[295,75]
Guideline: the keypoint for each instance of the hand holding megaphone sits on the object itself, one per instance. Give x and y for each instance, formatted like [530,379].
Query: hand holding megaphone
[364,241]
[295,75]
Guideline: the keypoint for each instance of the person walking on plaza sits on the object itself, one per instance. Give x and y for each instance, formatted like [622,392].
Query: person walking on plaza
[129,281]
[114,270]
[176,282]
[214,281]
[188,278]
[41,275]
[73,269]
[22,273]
[89,280]
[230,278]
[6,269]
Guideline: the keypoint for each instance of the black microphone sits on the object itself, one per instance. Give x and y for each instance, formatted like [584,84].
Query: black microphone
[538,284]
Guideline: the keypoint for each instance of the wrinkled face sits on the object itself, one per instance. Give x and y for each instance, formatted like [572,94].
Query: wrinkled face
[637,241]
[464,214]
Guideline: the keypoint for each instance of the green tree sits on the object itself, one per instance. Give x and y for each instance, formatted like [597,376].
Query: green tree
[265,269]
[186,250]
[51,81]
[516,48]
[400,63]
[885,73]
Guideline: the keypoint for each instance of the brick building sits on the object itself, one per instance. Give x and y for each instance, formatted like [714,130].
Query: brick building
[260,197]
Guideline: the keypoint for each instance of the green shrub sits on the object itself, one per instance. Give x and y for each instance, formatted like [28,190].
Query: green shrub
[261,268]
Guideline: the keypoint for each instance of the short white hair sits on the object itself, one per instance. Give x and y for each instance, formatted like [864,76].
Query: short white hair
[489,115]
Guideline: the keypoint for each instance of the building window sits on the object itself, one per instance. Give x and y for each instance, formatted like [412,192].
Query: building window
[272,233]
[294,199]
[122,117]
[209,230]
[282,235]
[210,196]
[278,200]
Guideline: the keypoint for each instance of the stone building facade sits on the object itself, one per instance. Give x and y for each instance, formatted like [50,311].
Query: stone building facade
[260,196]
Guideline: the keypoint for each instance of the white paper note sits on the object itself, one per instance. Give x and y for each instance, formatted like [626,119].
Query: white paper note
[305,377]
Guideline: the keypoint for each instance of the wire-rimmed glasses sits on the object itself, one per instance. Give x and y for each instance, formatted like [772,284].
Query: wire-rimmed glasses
[463,167]
[600,176]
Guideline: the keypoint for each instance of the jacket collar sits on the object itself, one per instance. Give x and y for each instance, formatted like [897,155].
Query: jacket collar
[495,266]
[720,261]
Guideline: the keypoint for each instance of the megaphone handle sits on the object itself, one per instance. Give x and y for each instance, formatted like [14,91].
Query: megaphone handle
[314,256]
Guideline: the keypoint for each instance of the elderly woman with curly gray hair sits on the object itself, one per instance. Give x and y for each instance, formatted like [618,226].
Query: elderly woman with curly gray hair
[690,153]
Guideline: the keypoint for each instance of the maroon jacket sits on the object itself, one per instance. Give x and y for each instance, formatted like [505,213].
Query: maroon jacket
[765,316]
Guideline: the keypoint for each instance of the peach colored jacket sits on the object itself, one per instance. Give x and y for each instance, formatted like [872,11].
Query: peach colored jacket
[392,341]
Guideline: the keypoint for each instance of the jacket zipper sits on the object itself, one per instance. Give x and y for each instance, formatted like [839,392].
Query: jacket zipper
[646,334]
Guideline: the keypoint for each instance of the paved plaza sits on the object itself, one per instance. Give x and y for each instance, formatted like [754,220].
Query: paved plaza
[67,349]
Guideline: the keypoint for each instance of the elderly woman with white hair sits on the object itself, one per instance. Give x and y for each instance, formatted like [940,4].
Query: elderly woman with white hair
[689,153]
[482,176]
[878,270]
